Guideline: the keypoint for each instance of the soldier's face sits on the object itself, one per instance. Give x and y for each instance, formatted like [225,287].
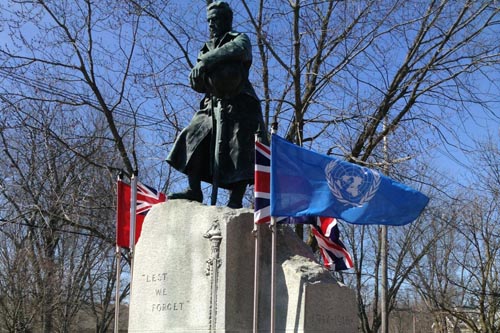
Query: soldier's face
[217,24]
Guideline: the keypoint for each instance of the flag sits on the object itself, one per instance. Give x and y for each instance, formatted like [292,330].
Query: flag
[325,230]
[146,198]
[305,183]
[332,249]
[262,184]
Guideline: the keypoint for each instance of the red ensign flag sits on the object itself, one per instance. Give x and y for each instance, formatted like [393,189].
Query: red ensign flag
[146,198]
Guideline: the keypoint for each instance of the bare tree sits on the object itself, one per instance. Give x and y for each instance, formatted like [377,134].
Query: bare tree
[52,198]
[73,98]
[459,281]
[81,55]
[348,67]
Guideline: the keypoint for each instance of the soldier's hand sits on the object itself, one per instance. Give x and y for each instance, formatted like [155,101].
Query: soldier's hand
[197,71]
[196,77]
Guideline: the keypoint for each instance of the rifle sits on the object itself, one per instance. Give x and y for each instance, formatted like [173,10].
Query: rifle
[217,141]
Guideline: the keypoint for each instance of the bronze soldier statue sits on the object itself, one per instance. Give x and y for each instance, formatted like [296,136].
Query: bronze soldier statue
[218,144]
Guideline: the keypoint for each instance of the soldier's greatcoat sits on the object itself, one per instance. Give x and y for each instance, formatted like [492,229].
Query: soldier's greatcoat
[229,93]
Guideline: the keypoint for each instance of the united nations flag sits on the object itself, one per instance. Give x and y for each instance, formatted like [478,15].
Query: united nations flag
[305,183]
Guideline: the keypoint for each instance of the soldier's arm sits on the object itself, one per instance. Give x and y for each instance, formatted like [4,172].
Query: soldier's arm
[239,48]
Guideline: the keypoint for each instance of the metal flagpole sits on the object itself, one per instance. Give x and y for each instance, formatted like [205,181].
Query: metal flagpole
[118,268]
[256,231]
[256,266]
[133,208]
[383,250]
[274,128]
[273,272]
[117,292]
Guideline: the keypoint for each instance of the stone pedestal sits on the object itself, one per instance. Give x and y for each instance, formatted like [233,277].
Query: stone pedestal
[194,272]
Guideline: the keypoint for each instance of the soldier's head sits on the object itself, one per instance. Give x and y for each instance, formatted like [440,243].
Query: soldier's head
[220,18]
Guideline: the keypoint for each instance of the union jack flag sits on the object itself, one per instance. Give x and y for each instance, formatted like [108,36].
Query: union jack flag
[146,198]
[262,184]
[325,230]
[332,249]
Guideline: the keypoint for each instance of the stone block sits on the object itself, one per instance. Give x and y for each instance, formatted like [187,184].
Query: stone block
[183,281]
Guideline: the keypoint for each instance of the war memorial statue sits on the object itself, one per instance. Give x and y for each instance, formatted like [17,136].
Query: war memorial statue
[218,144]
[197,277]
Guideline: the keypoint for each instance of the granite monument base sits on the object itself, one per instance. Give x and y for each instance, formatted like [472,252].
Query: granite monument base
[194,272]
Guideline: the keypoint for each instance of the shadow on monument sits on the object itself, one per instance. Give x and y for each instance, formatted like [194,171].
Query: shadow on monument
[240,279]
[265,289]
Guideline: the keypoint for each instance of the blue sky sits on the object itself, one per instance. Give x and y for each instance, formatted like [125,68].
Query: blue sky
[450,159]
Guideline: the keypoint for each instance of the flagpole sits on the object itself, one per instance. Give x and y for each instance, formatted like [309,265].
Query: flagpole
[117,292]
[256,271]
[273,273]
[256,231]
[133,208]
[383,251]
[272,226]
[118,267]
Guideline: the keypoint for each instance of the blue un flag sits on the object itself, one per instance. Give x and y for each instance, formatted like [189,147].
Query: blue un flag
[305,183]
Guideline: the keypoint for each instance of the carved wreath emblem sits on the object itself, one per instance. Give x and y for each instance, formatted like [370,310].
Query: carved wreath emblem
[351,185]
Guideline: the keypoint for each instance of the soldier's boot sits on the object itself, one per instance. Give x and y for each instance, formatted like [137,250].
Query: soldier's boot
[236,196]
[193,192]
